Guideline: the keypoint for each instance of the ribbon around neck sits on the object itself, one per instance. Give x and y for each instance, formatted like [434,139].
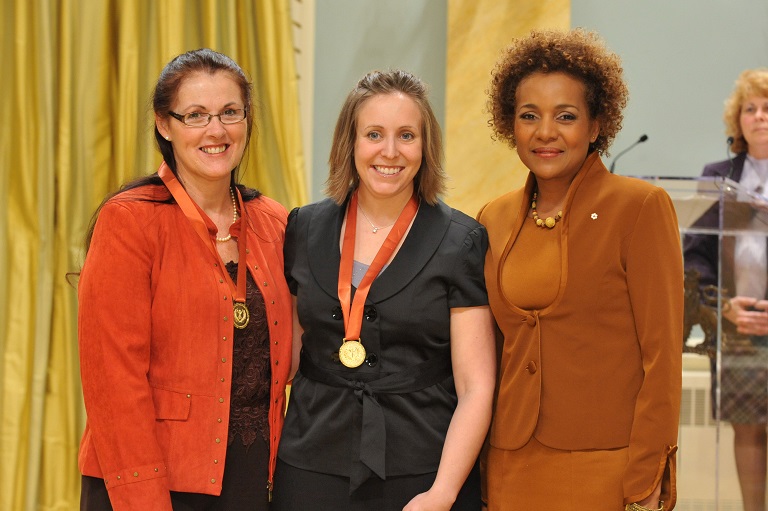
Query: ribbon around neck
[195,216]
[353,312]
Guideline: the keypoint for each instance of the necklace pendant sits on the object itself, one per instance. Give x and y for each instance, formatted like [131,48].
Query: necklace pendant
[240,315]
[375,230]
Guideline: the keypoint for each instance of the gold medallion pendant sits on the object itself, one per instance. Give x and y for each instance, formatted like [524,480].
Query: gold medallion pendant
[352,353]
[241,315]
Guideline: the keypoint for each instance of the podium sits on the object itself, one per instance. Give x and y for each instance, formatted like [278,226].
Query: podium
[725,373]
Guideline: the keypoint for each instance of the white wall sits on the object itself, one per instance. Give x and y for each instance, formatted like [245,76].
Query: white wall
[681,58]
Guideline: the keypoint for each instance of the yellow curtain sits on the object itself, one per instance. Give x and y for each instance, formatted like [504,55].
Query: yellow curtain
[77,122]
[480,168]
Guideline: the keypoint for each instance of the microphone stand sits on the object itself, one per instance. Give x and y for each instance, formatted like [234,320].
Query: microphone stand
[640,140]
[729,143]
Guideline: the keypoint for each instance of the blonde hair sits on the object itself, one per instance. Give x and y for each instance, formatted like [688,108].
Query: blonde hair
[752,82]
[342,178]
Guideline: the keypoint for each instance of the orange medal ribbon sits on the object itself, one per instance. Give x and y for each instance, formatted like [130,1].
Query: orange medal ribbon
[352,353]
[195,216]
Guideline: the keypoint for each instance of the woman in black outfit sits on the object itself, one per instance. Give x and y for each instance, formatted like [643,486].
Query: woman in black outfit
[392,399]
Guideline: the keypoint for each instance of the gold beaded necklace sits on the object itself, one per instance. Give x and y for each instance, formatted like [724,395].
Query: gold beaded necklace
[550,221]
[234,216]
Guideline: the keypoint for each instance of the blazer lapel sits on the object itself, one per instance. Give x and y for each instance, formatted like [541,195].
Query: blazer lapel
[424,238]
[421,243]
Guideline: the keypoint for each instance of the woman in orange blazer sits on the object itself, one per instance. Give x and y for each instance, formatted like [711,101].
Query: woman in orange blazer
[184,314]
[585,280]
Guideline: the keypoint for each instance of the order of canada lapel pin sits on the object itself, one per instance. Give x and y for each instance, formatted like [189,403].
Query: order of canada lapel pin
[593,216]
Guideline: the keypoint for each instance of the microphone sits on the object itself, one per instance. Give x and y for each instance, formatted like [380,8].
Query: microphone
[640,140]
[729,143]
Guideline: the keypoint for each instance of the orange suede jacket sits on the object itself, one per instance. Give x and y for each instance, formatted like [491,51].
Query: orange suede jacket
[600,367]
[155,335]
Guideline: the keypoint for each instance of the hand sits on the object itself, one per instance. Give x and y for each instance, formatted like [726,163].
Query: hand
[429,501]
[749,315]
[652,500]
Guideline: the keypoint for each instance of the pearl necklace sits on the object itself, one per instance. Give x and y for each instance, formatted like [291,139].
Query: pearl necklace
[550,221]
[234,216]
[375,229]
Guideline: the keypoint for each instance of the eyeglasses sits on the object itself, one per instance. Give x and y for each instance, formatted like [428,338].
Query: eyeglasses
[201,120]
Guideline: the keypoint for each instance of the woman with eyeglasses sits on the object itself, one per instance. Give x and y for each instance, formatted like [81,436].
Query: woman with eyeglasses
[184,313]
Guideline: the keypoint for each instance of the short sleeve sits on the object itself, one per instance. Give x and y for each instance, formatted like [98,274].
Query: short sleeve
[468,282]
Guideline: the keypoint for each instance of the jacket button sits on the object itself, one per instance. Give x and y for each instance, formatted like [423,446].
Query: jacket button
[372,359]
[530,320]
[531,367]
[213,481]
[370,313]
[337,314]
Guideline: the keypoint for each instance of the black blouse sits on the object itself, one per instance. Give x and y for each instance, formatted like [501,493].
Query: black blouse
[406,326]
[251,374]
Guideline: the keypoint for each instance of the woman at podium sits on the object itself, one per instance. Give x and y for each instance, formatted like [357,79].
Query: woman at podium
[744,375]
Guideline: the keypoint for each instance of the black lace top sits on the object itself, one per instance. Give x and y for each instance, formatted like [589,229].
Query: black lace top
[249,399]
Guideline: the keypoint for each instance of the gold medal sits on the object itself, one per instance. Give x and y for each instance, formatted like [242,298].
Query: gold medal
[352,353]
[241,315]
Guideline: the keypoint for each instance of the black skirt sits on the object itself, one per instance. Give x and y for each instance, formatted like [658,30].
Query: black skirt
[305,490]
[244,486]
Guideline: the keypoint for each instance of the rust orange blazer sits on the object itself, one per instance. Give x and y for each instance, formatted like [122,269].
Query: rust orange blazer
[155,336]
[600,367]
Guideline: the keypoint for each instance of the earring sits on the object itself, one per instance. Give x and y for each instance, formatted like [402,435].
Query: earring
[168,138]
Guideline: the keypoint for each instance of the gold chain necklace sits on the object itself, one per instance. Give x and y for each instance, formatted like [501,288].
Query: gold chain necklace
[550,221]
[234,216]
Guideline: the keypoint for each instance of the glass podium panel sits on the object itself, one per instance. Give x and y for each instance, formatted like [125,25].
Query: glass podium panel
[724,409]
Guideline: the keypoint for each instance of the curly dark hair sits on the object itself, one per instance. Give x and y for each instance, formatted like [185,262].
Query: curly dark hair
[578,53]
